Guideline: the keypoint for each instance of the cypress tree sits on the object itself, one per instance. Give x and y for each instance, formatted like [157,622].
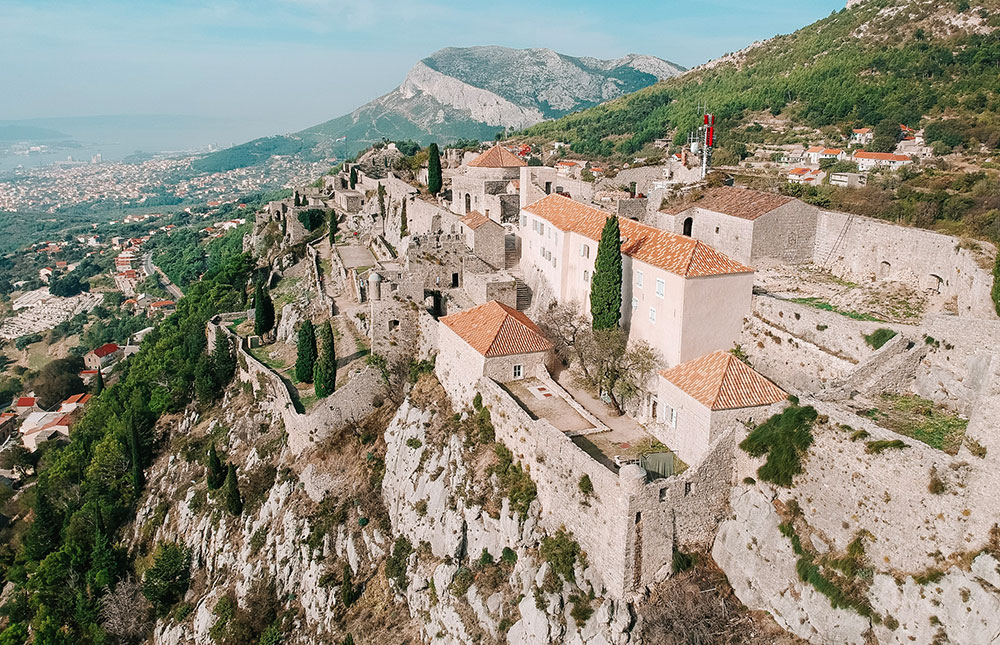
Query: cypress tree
[42,537]
[606,291]
[263,311]
[305,361]
[333,227]
[434,181]
[206,388]
[298,202]
[99,385]
[215,472]
[223,359]
[325,372]
[234,503]
[354,177]
[381,200]
[403,229]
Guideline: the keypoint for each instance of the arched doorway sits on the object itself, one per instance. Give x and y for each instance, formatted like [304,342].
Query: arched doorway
[468,202]
[688,225]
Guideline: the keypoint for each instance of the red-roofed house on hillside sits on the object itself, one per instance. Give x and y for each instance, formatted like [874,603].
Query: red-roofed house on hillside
[862,136]
[26,404]
[750,226]
[102,356]
[678,294]
[483,186]
[868,160]
[491,340]
[698,401]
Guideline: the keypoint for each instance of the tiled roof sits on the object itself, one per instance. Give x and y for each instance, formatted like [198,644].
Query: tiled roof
[880,156]
[106,350]
[737,202]
[475,219]
[862,130]
[26,402]
[494,329]
[720,381]
[497,157]
[675,253]
[162,303]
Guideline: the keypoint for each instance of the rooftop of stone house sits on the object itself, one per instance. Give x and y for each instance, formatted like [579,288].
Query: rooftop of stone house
[735,202]
[543,401]
[674,253]
[720,381]
[494,329]
[497,157]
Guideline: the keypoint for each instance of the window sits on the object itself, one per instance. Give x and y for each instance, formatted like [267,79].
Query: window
[584,250]
[524,221]
[635,304]
[660,286]
[652,314]
[672,417]
[518,371]
[687,488]
[716,230]
[586,275]
[638,279]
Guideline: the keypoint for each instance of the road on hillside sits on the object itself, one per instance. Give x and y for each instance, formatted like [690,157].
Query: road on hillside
[147,262]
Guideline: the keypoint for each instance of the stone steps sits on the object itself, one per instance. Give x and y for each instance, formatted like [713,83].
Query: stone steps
[523,295]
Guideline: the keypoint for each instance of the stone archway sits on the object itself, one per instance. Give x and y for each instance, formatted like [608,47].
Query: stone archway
[688,226]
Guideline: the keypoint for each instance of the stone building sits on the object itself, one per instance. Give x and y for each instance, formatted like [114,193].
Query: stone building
[748,225]
[485,237]
[492,341]
[484,185]
[697,401]
[538,181]
[678,294]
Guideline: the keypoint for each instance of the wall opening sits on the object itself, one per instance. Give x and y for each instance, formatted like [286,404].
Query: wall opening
[688,225]
[548,188]
[468,202]
[936,282]
[454,280]
[393,325]
[883,269]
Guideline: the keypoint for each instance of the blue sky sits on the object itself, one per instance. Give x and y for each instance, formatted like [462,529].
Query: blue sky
[283,65]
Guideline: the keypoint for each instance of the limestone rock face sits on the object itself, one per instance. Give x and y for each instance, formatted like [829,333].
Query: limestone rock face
[760,564]
[290,319]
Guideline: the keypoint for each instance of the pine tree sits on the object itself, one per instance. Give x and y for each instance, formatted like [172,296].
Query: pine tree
[215,473]
[234,503]
[325,372]
[354,177]
[42,537]
[223,359]
[206,388]
[305,361]
[434,181]
[103,564]
[99,385]
[138,478]
[263,311]
[606,291]
[403,228]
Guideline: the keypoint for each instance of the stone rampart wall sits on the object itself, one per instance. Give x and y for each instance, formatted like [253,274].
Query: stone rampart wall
[863,249]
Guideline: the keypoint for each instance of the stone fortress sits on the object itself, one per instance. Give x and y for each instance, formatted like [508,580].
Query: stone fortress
[463,279]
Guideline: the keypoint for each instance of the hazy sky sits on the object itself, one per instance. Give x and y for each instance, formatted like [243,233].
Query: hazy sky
[288,64]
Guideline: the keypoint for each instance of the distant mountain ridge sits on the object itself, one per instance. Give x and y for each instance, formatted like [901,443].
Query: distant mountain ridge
[466,92]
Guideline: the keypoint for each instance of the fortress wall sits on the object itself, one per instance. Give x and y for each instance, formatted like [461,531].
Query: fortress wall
[863,249]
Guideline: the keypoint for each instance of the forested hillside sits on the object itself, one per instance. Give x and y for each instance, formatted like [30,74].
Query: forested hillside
[912,62]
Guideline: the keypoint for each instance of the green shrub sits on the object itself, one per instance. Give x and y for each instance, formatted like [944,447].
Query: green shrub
[581,611]
[414,443]
[784,438]
[514,481]
[878,447]
[682,561]
[561,551]
[167,580]
[858,435]
[508,556]
[586,486]
[395,564]
[879,337]
[312,218]
[461,582]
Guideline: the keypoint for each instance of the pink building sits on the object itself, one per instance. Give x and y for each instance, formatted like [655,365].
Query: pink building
[678,294]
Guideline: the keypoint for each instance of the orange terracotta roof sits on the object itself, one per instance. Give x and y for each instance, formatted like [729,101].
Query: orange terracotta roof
[674,253]
[475,219]
[720,381]
[736,202]
[815,149]
[862,130]
[880,156]
[497,157]
[26,402]
[494,329]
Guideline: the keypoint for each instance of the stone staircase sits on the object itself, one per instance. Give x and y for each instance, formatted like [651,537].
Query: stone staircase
[511,258]
[523,295]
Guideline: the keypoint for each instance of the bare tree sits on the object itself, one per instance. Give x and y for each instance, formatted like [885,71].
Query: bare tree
[614,366]
[569,331]
[125,612]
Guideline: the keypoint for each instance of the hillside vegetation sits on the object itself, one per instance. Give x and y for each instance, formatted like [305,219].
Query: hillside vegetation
[905,61]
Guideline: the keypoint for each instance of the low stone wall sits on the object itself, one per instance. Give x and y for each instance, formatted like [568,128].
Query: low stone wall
[349,404]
